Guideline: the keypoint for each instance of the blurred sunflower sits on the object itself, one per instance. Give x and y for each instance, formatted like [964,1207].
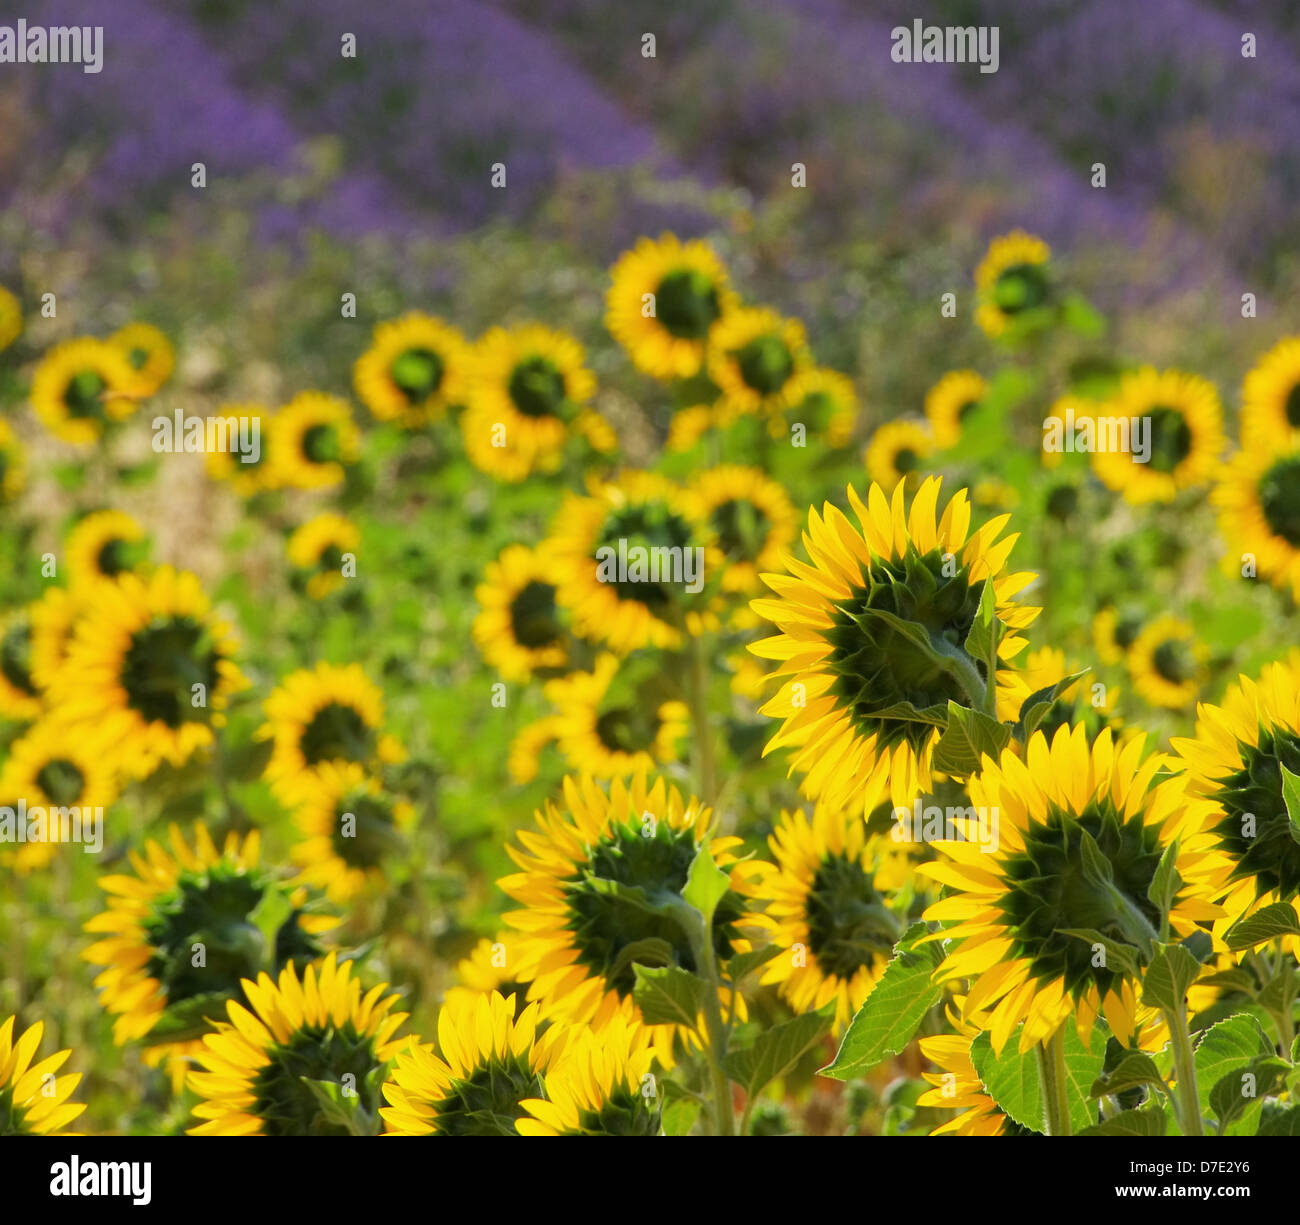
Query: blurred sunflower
[1258,498]
[52,618]
[523,760]
[1009,909]
[26,1106]
[638,510]
[102,545]
[527,391]
[1184,428]
[689,425]
[1114,632]
[852,665]
[323,714]
[175,902]
[1167,663]
[1270,398]
[754,356]
[313,438]
[13,465]
[265,1069]
[80,386]
[318,548]
[896,452]
[487,969]
[826,400]
[616,721]
[520,629]
[752,519]
[351,828]
[491,1063]
[683,287]
[11,318]
[150,668]
[150,354]
[1013,278]
[247,475]
[827,911]
[415,370]
[20,697]
[950,401]
[598,1087]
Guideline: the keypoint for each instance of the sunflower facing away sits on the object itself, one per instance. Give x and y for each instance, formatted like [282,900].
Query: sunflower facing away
[521,628]
[13,466]
[826,912]
[81,386]
[33,1099]
[257,474]
[752,518]
[665,298]
[20,697]
[11,318]
[150,668]
[489,1062]
[313,438]
[846,667]
[258,1066]
[1270,398]
[754,356]
[1259,511]
[318,548]
[1183,422]
[1167,663]
[1013,278]
[414,371]
[1009,909]
[896,452]
[103,545]
[150,354]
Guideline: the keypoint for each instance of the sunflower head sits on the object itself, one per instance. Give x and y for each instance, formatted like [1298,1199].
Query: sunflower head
[489,967]
[149,353]
[1270,397]
[319,549]
[521,627]
[313,440]
[897,454]
[754,356]
[1258,497]
[950,401]
[825,400]
[102,545]
[81,386]
[1167,663]
[1114,630]
[414,371]
[750,518]
[33,1100]
[1012,282]
[247,472]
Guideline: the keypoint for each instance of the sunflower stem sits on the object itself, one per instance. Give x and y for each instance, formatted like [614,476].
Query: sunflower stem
[1051,1074]
[1189,1109]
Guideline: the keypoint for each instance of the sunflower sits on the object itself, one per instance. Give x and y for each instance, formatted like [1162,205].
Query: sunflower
[521,628]
[1114,631]
[754,356]
[642,511]
[487,969]
[247,475]
[150,354]
[689,425]
[491,1063]
[319,715]
[13,475]
[81,386]
[1270,398]
[56,772]
[896,452]
[20,697]
[615,721]
[1046,666]
[351,827]
[103,545]
[957,1084]
[825,399]
[263,1066]
[11,318]
[527,391]
[313,437]
[53,619]
[828,913]
[752,519]
[414,371]
[601,1085]
[1010,909]
[151,668]
[847,667]
[27,1105]
[664,301]
[175,902]
[523,761]
[1183,427]
[318,549]
[1013,278]
[948,403]
[1258,498]
[1167,663]
[574,933]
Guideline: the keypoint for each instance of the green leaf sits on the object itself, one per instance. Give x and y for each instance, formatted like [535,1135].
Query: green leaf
[706,883]
[1280,1122]
[968,737]
[341,1109]
[1165,885]
[1134,1069]
[679,1117]
[652,951]
[1262,926]
[1033,710]
[1081,317]
[1291,796]
[894,1010]
[1148,1121]
[742,964]
[986,630]
[668,995]
[1172,970]
[189,1018]
[777,1050]
[1229,1046]
[268,916]
[1233,1095]
[1096,867]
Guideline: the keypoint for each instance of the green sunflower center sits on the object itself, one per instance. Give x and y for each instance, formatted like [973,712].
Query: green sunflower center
[534,617]
[742,528]
[878,667]
[966,409]
[1127,628]
[623,1113]
[370,836]
[160,668]
[905,460]
[320,445]
[84,395]
[138,358]
[1292,407]
[1174,661]
[1171,438]
[61,782]
[537,388]
[1049,890]
[287,1106]
[1279,499]
[1256,830]
[337,732]
[627,729]
[849,925]
[114,557]
[16,657]
[487,1102]
[417,373]
[686,304]
[611,931]
[650,525]
[765,363]
[1020,288]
